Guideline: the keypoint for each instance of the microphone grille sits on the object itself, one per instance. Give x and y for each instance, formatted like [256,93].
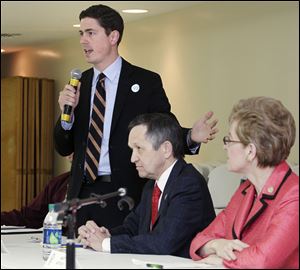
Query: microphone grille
[76,73]
[122,191]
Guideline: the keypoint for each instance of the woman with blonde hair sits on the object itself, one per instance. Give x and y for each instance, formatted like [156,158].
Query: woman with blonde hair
[260,226]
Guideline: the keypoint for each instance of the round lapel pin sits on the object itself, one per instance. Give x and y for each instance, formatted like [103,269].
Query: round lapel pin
[135,88]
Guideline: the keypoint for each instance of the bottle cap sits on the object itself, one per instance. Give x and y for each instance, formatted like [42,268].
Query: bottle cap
[51,207]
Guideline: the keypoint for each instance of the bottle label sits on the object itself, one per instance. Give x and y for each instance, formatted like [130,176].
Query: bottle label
[52,236]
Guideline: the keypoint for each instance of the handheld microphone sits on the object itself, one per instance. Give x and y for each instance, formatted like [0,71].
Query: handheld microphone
[75,77]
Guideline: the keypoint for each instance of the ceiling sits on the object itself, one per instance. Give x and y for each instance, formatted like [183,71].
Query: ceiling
[47,21]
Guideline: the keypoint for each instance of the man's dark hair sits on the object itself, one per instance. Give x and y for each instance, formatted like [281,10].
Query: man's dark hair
[161,127]
[107,18]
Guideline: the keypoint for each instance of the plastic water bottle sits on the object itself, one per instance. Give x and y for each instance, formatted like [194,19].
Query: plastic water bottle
[52,232]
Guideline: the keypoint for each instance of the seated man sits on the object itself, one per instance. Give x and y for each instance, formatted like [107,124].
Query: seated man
[175,203]
[32,215]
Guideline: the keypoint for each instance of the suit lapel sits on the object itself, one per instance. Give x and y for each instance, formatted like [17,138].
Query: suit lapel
[244,210]
[84,105]
[122,92]
[169,187]
[147,207]
[251,209]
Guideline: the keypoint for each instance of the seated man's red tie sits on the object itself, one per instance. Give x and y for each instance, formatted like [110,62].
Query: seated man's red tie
[155,199]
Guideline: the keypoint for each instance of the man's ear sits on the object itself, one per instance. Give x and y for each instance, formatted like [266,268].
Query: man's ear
[167,149]
[114,37]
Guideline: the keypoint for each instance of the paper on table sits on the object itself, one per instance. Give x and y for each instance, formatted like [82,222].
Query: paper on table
[4,227]
[57,260]
[179,265]
[3,248]
[18,229]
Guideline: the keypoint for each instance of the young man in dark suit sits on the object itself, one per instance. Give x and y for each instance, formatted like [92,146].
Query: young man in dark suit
[130,91]
[162,224]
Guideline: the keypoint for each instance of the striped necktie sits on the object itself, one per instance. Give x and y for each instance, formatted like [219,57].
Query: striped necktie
[96,131]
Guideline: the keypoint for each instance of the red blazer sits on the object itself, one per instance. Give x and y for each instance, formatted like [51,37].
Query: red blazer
[269,224]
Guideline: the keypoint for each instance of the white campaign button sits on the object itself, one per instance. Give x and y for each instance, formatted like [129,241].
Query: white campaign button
[135,88]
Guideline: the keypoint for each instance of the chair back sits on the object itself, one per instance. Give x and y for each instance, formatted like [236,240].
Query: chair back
[222,184]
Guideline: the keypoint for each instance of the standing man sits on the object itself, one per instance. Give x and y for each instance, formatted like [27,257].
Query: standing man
[109,96]
[175,202]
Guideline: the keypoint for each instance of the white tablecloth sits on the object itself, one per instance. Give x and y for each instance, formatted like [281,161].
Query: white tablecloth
[25,252]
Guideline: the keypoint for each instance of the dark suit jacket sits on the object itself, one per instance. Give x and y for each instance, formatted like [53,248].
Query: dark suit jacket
[186,207]
[150,98]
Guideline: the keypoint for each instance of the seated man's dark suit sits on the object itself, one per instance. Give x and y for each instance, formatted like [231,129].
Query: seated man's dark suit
[186,208]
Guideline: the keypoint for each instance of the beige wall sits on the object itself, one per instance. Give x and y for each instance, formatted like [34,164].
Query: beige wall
[209,56]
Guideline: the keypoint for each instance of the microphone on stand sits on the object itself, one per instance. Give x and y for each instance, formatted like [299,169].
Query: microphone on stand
[67,211]
[74,81]
[94,198]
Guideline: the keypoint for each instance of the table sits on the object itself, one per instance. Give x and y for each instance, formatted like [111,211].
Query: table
[25,252]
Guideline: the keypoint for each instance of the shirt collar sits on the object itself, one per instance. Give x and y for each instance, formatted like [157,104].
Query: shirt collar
[111,72]
[163,179]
